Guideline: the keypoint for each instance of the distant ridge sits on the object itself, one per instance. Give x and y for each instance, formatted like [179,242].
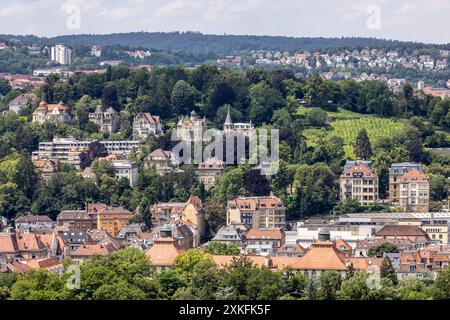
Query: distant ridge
[195,42]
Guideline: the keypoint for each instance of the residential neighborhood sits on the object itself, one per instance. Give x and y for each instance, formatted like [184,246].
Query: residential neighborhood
[257,154]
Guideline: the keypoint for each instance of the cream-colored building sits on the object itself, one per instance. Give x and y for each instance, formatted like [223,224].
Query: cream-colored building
[191,128]
[243,129]
[257,212]
[57,113]
[359,182]
[396,172]
[415,192]
[145,124]
[190,213]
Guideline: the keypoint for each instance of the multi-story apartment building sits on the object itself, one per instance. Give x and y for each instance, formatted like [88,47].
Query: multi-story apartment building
[264,241]
[191,128]
[61,54]
[359,182]
[112,219]
[396,172]
[244,129]
[58,113]
[68,150]
[96,216]
[257,212]
[107,119]
[190,213]
[209,171]
[145,124]
[415,191]
[75,220]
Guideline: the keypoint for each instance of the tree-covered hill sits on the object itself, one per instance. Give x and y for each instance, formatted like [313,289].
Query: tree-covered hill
[194,42]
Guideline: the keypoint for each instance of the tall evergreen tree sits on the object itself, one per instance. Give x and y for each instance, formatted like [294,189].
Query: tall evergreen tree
[363,148]
[388,272]
[26,177]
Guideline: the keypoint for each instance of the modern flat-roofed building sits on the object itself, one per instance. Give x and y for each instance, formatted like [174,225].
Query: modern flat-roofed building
[68,150]
[61,54]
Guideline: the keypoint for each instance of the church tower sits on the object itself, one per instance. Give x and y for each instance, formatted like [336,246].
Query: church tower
[228,125]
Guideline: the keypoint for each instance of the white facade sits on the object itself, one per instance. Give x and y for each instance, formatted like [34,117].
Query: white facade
[126,169]
[61,54]
[307,235]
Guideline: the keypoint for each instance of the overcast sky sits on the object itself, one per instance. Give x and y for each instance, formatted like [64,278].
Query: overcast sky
[416,20]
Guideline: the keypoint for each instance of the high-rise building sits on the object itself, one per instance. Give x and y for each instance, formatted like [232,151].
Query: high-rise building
[61,54]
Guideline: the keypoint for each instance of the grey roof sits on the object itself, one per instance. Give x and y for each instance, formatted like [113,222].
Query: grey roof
[405,167]
[75,237]
[229,233]
[228,120]
[133,229]
[74,215]
[184,231]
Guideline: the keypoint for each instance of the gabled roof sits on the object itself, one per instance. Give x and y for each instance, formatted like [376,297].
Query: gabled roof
[33,219]
[28,241]
[8,243]
[400,231]
[93,250]
[24,98]
[104,238]
[73,215]
[276,234]
[343,245]
[195,201]
[150,118]
[359,168]
[415,175]
[160,153]
[224,261]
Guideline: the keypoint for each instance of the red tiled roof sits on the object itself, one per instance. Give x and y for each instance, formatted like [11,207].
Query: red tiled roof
[265,234]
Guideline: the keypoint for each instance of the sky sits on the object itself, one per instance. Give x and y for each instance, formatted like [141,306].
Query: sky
[409,20]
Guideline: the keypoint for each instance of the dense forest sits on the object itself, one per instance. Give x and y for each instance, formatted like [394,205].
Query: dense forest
[195,42]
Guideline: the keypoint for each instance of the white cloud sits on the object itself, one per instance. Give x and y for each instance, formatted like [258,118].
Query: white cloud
[401,19]
[13,10]
[408,8]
